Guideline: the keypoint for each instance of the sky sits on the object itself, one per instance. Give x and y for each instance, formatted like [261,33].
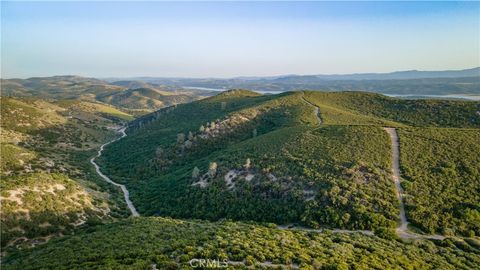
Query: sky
[228,39]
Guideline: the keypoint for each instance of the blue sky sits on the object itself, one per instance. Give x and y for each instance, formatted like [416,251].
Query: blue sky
[226,39]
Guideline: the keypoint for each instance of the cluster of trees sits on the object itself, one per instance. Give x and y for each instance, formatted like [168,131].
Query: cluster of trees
[143,243]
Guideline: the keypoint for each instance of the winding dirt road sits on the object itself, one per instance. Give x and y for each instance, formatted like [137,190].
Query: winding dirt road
[126,194]
[316,110]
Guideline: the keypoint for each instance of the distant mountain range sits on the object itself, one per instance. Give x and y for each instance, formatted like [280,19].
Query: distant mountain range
[412,82]
[397,75]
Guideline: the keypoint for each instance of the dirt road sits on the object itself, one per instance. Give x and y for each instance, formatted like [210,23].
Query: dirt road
[126,194]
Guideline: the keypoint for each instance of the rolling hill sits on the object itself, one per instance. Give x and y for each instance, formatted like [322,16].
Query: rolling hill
[245,156]
[144,98]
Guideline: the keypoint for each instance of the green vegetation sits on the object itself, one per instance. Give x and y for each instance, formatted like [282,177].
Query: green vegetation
[142,243]
[441,171]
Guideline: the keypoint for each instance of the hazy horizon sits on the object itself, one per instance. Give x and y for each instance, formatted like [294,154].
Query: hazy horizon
[233,77]
[236,39]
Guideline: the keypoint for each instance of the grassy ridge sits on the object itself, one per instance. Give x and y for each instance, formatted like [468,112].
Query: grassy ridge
[103,109]
[378,109]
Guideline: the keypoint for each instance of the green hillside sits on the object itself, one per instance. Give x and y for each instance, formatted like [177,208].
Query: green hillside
[103,110]
[245,156]
[162,243]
